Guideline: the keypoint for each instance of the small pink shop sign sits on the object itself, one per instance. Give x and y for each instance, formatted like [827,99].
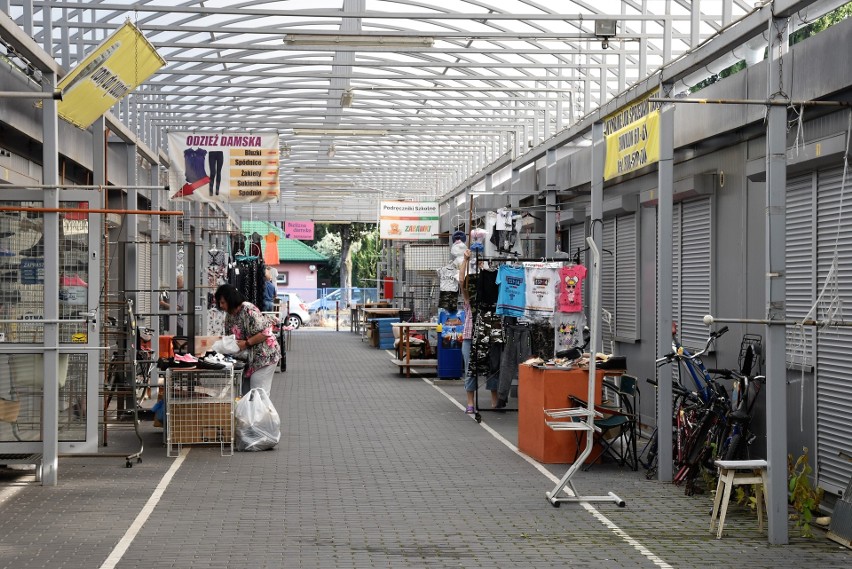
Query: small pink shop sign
[303,230]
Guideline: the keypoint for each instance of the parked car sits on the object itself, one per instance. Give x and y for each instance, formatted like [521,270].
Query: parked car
[294,311]
[329,301]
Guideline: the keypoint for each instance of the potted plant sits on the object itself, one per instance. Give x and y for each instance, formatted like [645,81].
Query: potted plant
[802,496]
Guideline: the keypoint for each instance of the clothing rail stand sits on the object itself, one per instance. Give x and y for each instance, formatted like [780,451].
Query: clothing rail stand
[510,258]
[587,412]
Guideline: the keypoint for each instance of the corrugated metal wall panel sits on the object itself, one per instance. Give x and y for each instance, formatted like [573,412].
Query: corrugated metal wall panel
[677,213]
[608,281]
[800,266]
[144,297]
[695,271]
[626,278]
[834,404]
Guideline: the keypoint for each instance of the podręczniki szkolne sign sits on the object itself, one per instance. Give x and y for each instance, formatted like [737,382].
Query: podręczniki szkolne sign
[409,221]
[223,167]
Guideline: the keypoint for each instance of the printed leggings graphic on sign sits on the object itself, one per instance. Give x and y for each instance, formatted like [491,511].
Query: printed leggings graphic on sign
[215,159]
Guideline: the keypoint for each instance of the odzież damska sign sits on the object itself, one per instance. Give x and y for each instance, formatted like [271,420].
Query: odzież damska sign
[223,166]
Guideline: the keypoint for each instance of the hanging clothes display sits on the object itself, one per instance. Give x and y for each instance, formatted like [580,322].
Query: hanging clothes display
[448,284]
[512,296]
[487,348]
[247,274]
[542,280]
[238,244]
[487,289]
[541,339]
[217,269]
[571,288]
[568,330]
[270,250]
[517,348]
[504,237]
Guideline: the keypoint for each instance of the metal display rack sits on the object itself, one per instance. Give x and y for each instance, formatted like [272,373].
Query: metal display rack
[199,409]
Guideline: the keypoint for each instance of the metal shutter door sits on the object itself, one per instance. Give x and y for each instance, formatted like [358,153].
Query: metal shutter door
[143,299]
[577,240]
[677,212]
[799,255]
[695,279]
[608,282]
[834,404]
[626,285]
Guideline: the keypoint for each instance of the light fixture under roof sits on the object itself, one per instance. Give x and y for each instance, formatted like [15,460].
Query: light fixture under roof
[338,132]
[326,170]
[359,40]
[331,151]
[330,183]
[346,98]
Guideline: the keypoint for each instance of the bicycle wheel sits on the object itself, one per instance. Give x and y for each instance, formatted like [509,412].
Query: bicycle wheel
[735,448]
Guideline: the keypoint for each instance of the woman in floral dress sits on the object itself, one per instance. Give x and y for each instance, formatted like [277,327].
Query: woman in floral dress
[254,334]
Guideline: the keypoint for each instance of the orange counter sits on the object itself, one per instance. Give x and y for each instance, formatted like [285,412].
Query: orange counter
[540,389]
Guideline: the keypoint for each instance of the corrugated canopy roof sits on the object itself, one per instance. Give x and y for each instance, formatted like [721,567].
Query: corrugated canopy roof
[431,91]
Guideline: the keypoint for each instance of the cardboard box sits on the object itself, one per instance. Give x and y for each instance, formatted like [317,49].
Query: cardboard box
[200,423]
[204,344]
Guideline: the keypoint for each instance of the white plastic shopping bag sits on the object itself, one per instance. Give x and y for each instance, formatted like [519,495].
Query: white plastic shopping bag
[257,424]
[227,345]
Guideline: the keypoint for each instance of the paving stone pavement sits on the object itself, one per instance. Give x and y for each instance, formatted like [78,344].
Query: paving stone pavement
[373,470]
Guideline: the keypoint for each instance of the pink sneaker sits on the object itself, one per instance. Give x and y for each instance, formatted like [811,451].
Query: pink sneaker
[186,358]
[73,280]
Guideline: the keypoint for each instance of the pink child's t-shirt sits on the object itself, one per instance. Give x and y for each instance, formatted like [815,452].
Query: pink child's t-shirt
[571,288]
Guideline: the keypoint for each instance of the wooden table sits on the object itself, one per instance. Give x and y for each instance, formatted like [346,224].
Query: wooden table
[404,346]
[368,313]
[541,388]
[380,312]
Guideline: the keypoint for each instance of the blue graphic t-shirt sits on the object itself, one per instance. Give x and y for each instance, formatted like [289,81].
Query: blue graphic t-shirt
[452,328]
[512,296]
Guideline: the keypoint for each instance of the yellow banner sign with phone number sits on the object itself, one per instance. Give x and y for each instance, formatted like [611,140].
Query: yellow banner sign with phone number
[633,146]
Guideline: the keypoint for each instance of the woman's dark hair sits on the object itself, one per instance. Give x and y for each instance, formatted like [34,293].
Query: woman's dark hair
[232,296]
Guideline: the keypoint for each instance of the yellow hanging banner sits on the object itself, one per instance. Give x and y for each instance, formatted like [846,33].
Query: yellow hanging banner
[119,65]
[633,146]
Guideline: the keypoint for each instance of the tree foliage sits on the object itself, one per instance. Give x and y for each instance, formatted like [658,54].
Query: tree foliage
[363,250]
[366,254]
[815,27]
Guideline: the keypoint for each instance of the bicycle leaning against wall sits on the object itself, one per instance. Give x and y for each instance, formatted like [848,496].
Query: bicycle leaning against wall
[701,420]
[744,394]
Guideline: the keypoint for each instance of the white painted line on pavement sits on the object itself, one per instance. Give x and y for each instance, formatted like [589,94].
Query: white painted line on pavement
[647,553]
[131,533]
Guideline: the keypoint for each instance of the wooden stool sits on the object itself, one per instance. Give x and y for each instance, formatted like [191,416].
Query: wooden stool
[733,473]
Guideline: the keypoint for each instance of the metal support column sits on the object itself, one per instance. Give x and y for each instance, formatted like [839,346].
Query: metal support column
[550,197]
[97,276]
[515,188]
[664,292]
[596,229]
[50,406]
[131,235]
[154,322]
[776,197]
